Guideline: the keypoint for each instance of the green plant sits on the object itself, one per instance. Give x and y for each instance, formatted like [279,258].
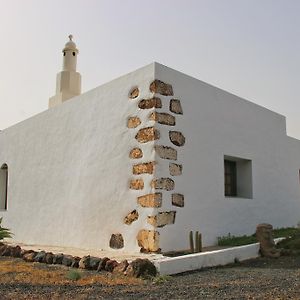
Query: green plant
[4,232]
[161,279]
[73,275]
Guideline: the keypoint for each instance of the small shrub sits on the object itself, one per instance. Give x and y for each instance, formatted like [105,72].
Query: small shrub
[4,232]
[73,275]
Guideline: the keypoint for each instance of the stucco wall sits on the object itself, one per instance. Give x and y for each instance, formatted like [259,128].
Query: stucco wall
[69,169]
[216,123]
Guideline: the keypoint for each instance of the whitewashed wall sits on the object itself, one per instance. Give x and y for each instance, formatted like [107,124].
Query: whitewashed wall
[217,123]
[69,169]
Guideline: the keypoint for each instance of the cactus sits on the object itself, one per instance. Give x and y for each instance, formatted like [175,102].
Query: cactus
[200,242]
[196,241]
[191,242]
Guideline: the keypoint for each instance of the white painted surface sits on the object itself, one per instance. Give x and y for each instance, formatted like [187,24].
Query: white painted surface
[197,261]
[69,167]
[216,123]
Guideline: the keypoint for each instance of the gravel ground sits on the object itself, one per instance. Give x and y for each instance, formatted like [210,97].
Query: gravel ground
[253,279]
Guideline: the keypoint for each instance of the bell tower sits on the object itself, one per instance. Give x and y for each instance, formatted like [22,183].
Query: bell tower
[68,81]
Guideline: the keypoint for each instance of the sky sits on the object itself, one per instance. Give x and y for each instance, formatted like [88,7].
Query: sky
[250,48]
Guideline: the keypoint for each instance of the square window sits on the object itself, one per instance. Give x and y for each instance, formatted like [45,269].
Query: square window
[237,177]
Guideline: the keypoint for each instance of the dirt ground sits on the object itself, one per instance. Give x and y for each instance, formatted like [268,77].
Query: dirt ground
[253,279]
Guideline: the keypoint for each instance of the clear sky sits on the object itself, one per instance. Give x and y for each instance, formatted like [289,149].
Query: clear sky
[248,47]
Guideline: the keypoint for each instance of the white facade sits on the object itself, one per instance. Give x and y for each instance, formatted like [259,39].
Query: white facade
[69,168]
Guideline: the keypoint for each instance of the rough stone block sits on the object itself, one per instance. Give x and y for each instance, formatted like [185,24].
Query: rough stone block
[148,240]
[133,122]
[131,217]
[116,241]
[163,118]
[175,106]
[162,219]
[163,184]
[141,268]
[177,138]
[160,87]
[166,152]
[122,266]
[144,168]
[178,200]
[150,200]
[175,169]
[134,93]
[154,102]
[136,153]
[147,134]
[136,184]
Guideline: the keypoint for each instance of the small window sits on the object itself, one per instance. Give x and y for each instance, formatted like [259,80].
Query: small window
[64,53]
[3,186]
[73,53]
[237,177]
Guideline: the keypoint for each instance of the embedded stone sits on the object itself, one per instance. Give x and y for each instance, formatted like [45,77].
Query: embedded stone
[131,217]
[162,219]
[175,169]
[175,106]
[29,257]
[147,134]
[116,241]
[148,240]
[141,268]
[163,118]
[133,122]
[144,168]
[166,152]
[177,138]
[160,87]
[163,184]
[67,260]
[136,184]
[94,263]
[15,251]
[40,257]
[150,200]
[134,93]
[154,102]
[136,153]
[178,200]
[75,263]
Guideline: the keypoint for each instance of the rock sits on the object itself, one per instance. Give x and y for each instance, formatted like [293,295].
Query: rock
[131,217]
[136,153]
[148,240]
[15,251]
[163,118]
[144,168]
[154,102]
[102,264]
[121,267]
[40,257]
[177,138]
[29,257]
[162,219]
[160,87]
[178,200]
[94,262]
[166,152]
[58,258]
[75,262]
[134,93]
[23,252]
[150,200]
[136,184]
[147,134]
[141,268]
[3,249]
[49,258]
[167,184]
[110,265]
[67,260]
[265,238]
[116,241]
[84,263]
[175,106]
[133,122]
[6,251]
[175,169]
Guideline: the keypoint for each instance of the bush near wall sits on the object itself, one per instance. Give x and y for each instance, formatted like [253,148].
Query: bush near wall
[231,240]
[4,232]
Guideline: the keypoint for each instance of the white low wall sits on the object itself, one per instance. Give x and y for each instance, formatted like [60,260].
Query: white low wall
[197,261]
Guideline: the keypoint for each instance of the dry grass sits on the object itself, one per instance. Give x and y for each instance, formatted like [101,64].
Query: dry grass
[18,271]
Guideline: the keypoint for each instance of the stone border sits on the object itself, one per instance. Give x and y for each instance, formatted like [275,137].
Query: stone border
[137,268]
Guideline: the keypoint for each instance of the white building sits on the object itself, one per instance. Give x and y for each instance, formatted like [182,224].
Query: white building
[142,160]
